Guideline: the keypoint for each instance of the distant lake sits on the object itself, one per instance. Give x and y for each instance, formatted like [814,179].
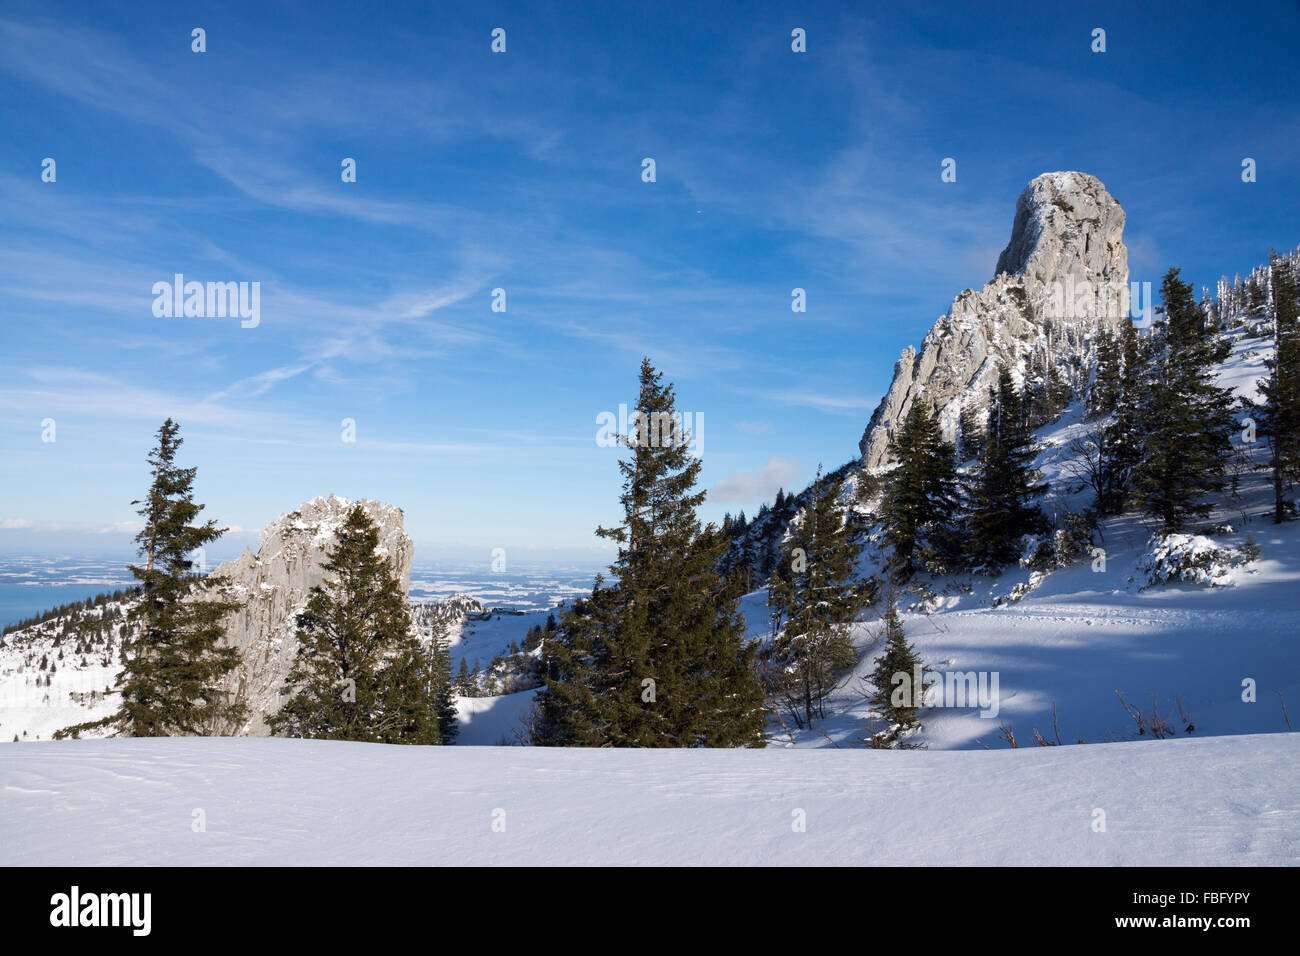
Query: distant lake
[31,584]
[21,601]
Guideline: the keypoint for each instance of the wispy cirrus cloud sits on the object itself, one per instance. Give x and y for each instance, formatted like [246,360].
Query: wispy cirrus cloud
[822,402]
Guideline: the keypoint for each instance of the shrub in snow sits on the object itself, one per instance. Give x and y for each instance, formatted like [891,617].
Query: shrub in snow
[1040,555]
[1020,590]
[1073,539]
[1067,544]
[1193,558]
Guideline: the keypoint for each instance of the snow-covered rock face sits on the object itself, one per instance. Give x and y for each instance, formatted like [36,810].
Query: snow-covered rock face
[1063,275]
[272,586]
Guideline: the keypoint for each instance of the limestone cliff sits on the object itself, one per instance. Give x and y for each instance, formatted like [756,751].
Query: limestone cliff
[1063,275]
[272,586]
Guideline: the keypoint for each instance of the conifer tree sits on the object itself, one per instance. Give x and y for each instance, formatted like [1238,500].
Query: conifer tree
[746,563]
[176,663]
[895,696]
[1121,439]
[1278,415]
[1256,297]
[1005,484]
[1104,394]
[971,425]
[1049,398]
[1186,418]
[923,495]
[360,672]
[815,594]
[441,687]
[656,657]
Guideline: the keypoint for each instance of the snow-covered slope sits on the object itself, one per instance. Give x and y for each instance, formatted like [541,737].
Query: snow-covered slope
[1080,635]
[61,672]
[1223,659]
[285,802]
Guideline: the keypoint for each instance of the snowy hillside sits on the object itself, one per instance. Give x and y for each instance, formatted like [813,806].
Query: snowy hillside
[52,677]
[208,802]
[62,671]
[1074,635]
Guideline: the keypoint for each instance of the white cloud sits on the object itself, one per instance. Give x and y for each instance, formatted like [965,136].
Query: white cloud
[760,485]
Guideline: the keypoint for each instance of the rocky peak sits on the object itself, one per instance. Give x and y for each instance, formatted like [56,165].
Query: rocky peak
[1066,224]
[1062,277]
[272,587]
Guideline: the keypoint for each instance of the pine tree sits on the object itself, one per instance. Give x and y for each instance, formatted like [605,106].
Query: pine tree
[1050,398]
[359,672]
[923,495]
[815,594]
[441,686]
[1256,297]
[971,426]
[656,657]
[1104,394]
[1120,441]
[1279,414]
[747,563]
[176,663]
[1004,484]
[1186,418]
[462,680]
[896,691]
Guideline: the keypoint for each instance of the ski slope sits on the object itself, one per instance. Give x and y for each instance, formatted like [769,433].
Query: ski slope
[1215,801]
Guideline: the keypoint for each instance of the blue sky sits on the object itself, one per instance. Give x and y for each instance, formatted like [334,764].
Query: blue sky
[522,171]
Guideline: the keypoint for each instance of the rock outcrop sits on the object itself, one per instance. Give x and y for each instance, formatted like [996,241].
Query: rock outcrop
[272,586]
[1062,277]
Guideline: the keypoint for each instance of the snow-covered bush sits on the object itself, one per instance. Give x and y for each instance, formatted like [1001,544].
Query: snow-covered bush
[1067,544]
[1194,559]
[1035,551]
[1040,555]
[1020,590]
[1073,539]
